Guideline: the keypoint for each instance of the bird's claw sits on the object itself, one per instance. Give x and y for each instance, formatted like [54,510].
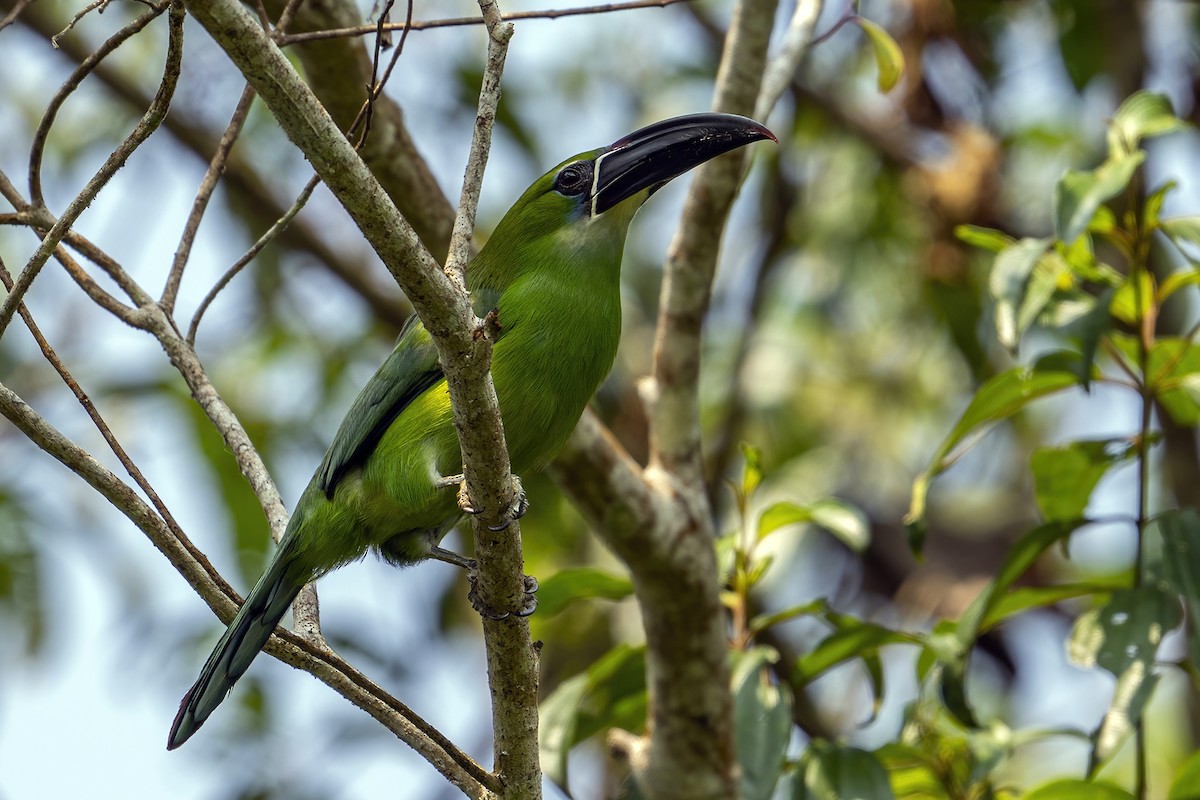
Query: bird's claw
[515,510]
[528,607]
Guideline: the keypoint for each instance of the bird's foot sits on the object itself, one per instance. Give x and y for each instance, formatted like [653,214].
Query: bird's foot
[451,557]
[529,603]
[528,606]
[516,509]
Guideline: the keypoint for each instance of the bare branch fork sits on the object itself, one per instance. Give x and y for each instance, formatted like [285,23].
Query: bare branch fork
[448,316]
[658,519]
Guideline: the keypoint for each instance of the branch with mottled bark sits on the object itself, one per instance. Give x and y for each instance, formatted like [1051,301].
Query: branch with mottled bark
[658,520]
[244,180]
[290,648]
[443,306]
[511,656]
[147,125]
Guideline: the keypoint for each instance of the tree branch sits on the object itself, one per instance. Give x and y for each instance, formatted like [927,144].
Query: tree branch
[443,307]
[511,655]
[257,198]
[208,185]
[658,520]
[290,648]
[149,123]
[420,25]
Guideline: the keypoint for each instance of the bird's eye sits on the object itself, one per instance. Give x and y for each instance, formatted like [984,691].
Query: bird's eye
[573,179]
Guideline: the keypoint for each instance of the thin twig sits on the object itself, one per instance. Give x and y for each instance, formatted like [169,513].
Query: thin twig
[375,90]
[12,15]
[41,221]
[207,186]
[38,148]
[10,193]
[511,656]
[111,267]
[499,34]
[145,127]
[249,256]
[419,25]
[130,316]
[84,400]
[89,8]
[242,179]
[781,70]
[291,648]
[285,19]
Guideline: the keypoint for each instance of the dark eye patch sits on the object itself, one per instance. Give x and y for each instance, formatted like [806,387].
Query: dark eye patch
[573,179]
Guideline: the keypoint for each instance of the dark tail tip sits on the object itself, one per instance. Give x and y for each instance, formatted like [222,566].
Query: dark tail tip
[184,725]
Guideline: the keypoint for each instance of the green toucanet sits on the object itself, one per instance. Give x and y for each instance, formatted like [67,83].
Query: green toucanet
[550,276]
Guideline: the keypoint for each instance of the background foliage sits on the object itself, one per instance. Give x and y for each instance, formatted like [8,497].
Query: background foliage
[861,339]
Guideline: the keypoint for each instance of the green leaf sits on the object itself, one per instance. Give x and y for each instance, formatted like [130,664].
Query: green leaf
[614,684]
[1176,389]
[1143,115]
[752,473]
[1186,785]
[984,238]
[1172,562]
[852,639]
[1152,209]
[1122,637]
[841,519]
[1005,395]
[1079,195]
[1182,229]
[1007,285]
[843,773]
[1125,631]
[1019,600]
[914,772]
[888,57]
[998,399]
[1103,222]
[1044,283]
[1088,327]
[1021,556]
[1064,476]
[1134,299]
[1077,789]
[764,621]
[558,717]
[570,585]
[762,723]
[954,652]
[1176,281]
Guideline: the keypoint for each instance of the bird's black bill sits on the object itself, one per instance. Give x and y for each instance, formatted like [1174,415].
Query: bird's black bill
[652,156]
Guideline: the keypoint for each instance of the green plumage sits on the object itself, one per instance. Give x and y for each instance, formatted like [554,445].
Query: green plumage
[551,274]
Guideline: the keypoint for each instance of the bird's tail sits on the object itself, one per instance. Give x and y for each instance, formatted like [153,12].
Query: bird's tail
[265,606]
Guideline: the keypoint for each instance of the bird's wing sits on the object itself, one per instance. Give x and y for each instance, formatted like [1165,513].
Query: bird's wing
[411,368]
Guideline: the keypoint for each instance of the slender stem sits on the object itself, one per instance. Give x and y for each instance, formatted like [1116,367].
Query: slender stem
[207,186]
[254,250]
[418,25]
[1146,339]
[72,83]
[146,126]
[292,649]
